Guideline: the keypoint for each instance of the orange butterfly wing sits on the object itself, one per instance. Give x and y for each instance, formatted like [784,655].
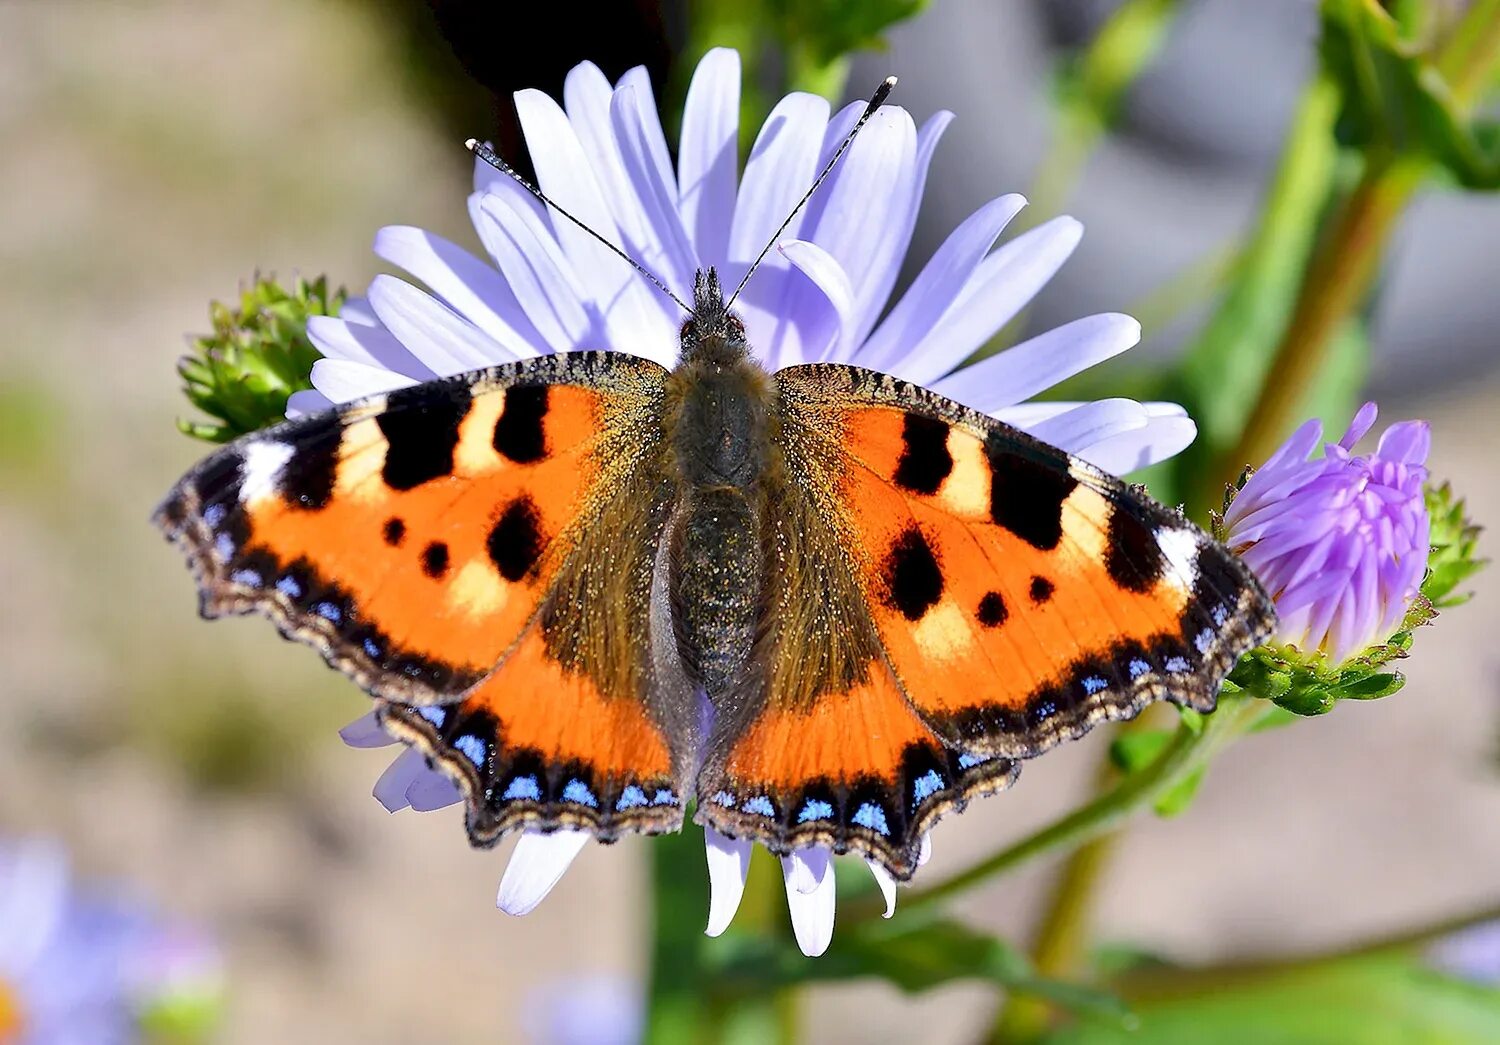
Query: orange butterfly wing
[1021,596]
[948,595]
[432,543]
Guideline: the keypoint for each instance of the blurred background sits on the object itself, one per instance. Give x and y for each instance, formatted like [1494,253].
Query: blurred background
[157,153]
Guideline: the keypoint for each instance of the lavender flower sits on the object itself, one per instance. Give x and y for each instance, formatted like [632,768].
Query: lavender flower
[1339,541]
[822,295]
[74,968]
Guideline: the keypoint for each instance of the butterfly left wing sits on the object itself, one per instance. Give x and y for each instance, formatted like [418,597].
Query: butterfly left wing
[481,554]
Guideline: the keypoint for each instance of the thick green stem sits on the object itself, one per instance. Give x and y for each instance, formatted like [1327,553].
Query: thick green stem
[1059,948]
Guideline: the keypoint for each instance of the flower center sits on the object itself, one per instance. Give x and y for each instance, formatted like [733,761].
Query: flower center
[10,1014]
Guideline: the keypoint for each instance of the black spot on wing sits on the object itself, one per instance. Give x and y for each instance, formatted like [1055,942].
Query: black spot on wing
[913,577]
[1027,495]
[992,611]
[518,433]
[1133,557]
[394,531]
[306,481]
[435,559]
[515,541]
[1041,590]
[925,461]
[422,431]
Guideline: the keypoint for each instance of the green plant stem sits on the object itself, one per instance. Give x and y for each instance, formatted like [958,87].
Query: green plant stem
[1059,948]
[1161,983]
[1469,54]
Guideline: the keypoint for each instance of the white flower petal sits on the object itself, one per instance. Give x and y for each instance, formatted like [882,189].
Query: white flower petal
[708,154]
[805,868]
[432,790]
[537,271]
[307,401]
[370,344]
[1161,438]
[356,310]
[1033,366]
[925,852]
[830,280]
[810,898]
[781,166]
[941,280]
[859,214]
[536,865]
[670,256]
[1091,423]
[390,789]
[466,284]
[586,95]
[343,381]
[728,866]
[33,902]
[366,731]
[636,84]
[632,309]
[887,886]
[434,333]
[1000,287]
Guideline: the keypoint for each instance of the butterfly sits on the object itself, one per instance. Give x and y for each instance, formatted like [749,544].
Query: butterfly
[828,604]
[821,606]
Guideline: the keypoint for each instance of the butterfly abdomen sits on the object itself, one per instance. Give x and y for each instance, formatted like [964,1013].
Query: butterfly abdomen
[719,429]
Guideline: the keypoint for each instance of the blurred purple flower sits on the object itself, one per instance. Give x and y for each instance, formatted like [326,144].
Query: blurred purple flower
[594,1009]
[822,295]
[76,968]
[1472,953]
[1339,541]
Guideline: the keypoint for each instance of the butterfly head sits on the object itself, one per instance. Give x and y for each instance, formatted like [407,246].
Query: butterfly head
[712,333]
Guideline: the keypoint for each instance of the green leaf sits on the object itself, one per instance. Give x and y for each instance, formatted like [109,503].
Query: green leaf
[831,29]
[1397,99]
[1135,749]
[1454,539]
[257,356]
[1380,1000]
[1181,794]
[913,953]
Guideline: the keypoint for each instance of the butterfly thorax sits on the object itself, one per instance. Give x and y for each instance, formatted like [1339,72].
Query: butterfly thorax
[719,422]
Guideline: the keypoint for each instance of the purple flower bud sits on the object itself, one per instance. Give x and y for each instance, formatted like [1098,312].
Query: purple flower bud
[1340,541]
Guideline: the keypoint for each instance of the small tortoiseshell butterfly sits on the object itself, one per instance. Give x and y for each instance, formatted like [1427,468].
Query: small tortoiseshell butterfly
[827,604]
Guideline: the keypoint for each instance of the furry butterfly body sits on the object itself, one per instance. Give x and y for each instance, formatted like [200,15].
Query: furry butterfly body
[826,604]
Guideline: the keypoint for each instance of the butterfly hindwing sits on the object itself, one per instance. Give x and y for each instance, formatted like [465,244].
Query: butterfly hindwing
[1021,596]
[435,544]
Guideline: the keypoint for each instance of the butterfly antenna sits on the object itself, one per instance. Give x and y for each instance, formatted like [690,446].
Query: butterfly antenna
[876,101]
[488,155]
